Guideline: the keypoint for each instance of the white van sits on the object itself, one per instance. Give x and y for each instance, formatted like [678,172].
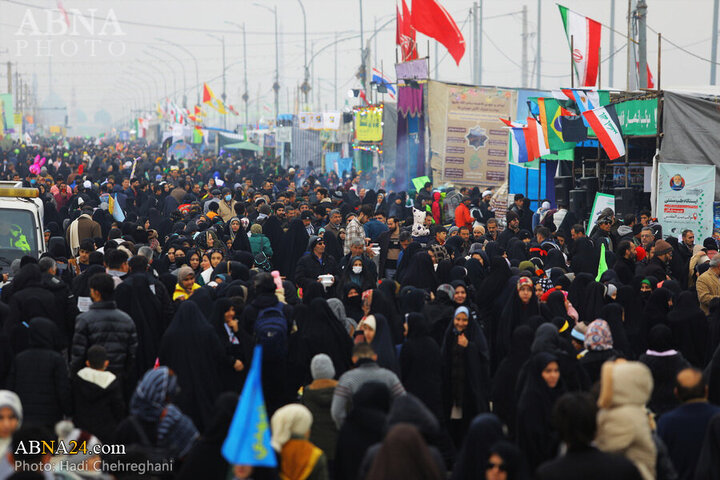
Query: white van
[21,223]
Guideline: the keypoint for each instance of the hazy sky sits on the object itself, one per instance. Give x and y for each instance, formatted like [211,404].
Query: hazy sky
[123,74]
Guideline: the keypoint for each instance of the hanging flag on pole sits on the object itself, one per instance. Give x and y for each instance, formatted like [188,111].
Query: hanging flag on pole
[650,81]
[585,33]
[214,102]
[248,439]
[406,34]
[519,146]
[64,13]
[430,18]
[115,209]
[550,114]
[535,140]
[132,172]
[604,122]
[602,263]
[379,79]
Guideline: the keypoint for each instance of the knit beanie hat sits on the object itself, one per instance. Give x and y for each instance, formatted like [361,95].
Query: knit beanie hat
[184,272]
[662,247]
[321,366]
[12,401]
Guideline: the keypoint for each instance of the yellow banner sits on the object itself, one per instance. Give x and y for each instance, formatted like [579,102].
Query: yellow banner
[368,124]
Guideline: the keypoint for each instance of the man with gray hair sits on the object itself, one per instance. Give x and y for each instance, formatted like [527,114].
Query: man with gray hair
[64,307]
[708,285]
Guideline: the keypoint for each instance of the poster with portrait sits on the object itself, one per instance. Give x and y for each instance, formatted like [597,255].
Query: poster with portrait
[685,198]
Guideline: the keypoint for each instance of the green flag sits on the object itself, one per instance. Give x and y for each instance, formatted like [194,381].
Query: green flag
[602,264]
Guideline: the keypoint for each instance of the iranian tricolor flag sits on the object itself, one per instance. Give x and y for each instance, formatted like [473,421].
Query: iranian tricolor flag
[585,34]
[604,122]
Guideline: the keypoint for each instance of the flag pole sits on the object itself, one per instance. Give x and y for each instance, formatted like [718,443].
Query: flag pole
[657,84]
[572,72]
[599,68]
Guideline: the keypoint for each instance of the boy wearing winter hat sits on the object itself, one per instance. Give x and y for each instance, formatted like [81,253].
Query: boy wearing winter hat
[317,397]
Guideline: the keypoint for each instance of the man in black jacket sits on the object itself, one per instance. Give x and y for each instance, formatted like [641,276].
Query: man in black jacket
[314,264]
[625,263]
[65,305]
[657,265]
[104,324]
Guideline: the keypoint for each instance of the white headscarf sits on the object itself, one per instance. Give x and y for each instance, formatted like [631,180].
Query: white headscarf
[292,419]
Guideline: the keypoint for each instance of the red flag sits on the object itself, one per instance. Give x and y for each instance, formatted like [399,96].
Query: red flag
[64,13]
[207,93]
[398,25]
[650,81]
[407,35]
[433,20]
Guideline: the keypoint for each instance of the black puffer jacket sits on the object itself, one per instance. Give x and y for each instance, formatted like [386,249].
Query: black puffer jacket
[40,378]
[28,300]
[104,324]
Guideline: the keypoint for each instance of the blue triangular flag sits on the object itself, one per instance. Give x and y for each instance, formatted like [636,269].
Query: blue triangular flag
[248,439]
[117,212]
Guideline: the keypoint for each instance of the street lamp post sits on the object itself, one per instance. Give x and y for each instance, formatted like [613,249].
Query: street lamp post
[160,59]
[245,95]
[197,76]
[223,95]
[182,67]
[305,86]
[276,85]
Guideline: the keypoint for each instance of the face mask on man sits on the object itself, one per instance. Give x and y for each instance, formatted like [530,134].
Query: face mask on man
[228,198]
[357,270]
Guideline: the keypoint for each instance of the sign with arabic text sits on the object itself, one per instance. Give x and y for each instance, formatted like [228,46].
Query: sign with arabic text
[638,117]
[368,124]
[685,196]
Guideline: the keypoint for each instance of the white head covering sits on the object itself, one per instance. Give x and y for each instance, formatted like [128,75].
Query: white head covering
[292,419]
[11,400]
[370,322]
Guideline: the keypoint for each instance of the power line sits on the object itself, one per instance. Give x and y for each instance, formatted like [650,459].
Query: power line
[172,27]
[682,49]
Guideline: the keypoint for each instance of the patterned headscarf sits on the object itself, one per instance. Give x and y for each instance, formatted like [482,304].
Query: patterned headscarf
[150,403]
[598,336]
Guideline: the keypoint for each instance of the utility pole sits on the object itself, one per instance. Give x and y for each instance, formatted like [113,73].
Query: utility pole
[336,73]
[437,61]
[642,39]
[611,67]
[473,58]
[305,84]
[276,85]
[245,96]
[362,51]
[524,60]
[629,43]
[713,54]
[479,42]
[538,58]
[9,77]
[224,95]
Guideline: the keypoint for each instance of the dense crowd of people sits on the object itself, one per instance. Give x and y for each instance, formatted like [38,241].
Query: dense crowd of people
[405,334]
